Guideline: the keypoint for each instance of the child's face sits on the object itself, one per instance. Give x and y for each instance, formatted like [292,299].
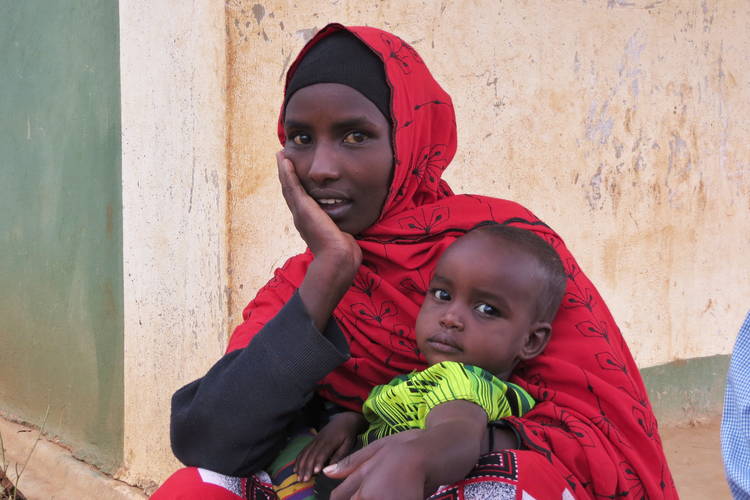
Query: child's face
[480,306]
[339,143]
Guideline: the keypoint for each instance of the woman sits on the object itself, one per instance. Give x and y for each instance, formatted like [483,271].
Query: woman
[367,133]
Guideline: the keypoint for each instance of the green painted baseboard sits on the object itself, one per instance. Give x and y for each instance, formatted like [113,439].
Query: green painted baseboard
[687,390]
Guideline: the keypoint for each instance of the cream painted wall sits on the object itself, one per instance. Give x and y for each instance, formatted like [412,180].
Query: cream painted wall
[173,70]
[623,125]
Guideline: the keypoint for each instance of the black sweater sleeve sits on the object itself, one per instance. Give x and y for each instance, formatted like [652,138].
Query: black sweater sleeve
[234,419]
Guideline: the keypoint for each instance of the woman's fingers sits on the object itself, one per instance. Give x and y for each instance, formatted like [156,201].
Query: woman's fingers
[341,451]
[347,489]
[349,464]
[291,187]
[379,479]
[313,224]
[385,469]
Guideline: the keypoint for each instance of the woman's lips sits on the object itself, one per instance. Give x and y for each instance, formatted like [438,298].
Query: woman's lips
[334,207]
[334,202]
[330,201]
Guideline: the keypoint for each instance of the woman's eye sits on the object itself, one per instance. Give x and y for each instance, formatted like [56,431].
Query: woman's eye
[487,310]
[355,137]
[301,139]
[440,294]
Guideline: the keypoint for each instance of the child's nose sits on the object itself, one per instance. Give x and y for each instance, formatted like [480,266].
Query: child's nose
[451,320]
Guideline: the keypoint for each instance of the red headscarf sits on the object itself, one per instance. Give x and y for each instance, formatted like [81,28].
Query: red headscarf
[593,420]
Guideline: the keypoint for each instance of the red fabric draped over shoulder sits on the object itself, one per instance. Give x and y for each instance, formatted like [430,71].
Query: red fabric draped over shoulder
[593,420]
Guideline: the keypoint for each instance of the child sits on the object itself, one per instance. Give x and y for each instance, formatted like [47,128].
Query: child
[490,303]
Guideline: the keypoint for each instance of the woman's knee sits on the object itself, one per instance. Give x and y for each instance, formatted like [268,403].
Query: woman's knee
[192,483]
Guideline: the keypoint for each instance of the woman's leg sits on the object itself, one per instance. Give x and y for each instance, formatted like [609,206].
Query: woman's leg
[192,483]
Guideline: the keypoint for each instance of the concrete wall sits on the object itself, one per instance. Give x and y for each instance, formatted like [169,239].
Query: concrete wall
[623,125]
[61,317]
[174,215]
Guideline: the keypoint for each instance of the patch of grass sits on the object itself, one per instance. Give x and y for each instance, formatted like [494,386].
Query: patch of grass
[9,489]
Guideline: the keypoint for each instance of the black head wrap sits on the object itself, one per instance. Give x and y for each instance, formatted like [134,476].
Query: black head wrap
[342,58]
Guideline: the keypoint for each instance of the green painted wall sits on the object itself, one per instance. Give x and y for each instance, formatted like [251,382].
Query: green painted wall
[687,390]
[61,317]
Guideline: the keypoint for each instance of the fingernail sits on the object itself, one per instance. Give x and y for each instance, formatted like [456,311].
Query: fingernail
[330,468]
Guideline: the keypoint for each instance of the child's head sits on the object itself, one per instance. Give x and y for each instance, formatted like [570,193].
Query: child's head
[491,300]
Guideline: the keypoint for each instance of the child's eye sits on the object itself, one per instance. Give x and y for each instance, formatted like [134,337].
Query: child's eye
[440,294]
[355,137]
[301,139]
[487,310]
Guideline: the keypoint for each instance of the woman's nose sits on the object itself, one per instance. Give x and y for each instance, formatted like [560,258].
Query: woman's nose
[324,167]
[450,320]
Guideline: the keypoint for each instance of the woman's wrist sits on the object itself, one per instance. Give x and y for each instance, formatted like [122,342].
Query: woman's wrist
[328,277]
[453,438]
[503,436]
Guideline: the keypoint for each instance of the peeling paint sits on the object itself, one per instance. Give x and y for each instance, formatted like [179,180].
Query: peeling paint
[259,12]
[307,33]
[598,123]
[619,3]
[284,67]
[595,195]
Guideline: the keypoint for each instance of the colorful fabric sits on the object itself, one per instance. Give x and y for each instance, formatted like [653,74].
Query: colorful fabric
[593,421]
[404,402]
[735,423]
[285,482]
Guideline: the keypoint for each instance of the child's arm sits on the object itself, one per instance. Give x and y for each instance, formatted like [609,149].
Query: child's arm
[330,445]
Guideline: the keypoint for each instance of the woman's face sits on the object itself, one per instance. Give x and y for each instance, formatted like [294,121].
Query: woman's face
[340,145]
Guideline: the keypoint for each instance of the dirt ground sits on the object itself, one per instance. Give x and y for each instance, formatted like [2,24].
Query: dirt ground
[694,456]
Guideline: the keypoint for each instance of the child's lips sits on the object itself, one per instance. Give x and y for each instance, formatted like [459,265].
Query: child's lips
[444,343]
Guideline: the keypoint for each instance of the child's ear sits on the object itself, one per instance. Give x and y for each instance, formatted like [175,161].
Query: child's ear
[536,340]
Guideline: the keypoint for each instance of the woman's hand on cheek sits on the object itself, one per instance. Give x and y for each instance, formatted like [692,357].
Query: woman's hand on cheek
[315,226]
[337,254]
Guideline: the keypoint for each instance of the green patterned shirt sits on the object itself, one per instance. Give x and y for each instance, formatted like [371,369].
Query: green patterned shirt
[405,401]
